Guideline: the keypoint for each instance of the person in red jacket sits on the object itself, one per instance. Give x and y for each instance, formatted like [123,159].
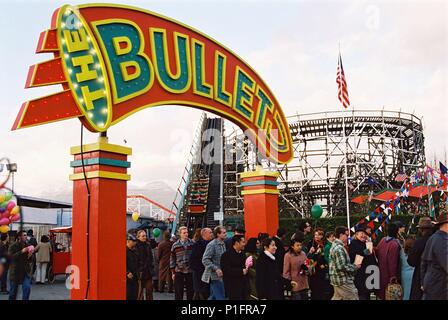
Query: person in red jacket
[388,254]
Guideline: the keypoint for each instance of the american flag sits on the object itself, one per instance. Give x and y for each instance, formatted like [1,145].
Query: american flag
[401,177]
[342,84]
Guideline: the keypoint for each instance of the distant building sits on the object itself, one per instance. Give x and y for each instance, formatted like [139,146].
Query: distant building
[41,215]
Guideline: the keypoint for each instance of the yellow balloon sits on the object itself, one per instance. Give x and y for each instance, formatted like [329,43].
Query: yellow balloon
[4,229]
[16,210]
[135,216]
[2,197]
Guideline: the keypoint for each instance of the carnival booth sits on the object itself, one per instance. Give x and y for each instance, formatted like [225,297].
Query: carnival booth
[61,245]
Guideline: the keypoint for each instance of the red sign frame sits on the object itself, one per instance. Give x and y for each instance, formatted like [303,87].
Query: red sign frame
[115,60]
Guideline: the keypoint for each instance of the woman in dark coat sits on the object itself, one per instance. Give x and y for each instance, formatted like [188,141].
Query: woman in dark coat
[425,228]
[145,265]
[131,268]
[234,270]
[434,268]
[388,254]
[319,279]
[358,247]
[269,280]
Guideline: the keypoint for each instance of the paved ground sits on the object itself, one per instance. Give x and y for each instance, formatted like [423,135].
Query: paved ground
[58,291]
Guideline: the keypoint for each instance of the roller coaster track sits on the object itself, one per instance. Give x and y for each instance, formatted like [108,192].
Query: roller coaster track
[156,210]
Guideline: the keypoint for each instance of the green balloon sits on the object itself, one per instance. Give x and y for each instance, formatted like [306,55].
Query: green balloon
[316,211]
[4,204]
[156,232]
[8,196]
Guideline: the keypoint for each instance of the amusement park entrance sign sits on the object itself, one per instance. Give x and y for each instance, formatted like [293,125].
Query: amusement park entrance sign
[113,61]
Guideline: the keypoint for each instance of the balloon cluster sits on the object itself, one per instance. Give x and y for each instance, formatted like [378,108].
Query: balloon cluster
[9,211]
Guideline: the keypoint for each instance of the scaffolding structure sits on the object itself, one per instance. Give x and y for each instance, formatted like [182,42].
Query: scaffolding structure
[194,157]
[374,146]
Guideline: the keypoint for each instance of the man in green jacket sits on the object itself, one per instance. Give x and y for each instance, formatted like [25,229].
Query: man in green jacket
[342,272]
[20,269]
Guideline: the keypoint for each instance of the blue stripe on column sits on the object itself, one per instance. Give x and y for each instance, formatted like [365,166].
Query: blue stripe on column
[259,183]
[103,161]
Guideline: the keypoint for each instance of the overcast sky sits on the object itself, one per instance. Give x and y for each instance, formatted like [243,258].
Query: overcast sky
[394,54]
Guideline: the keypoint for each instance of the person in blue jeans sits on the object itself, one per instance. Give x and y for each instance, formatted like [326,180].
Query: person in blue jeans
[212,263]
[217,291]
[20,269]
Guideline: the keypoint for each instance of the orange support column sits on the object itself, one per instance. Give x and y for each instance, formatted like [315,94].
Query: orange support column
[106,171]
[260,196]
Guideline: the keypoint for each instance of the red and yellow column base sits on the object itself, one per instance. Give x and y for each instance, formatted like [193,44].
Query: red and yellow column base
[260,196]
[105,167]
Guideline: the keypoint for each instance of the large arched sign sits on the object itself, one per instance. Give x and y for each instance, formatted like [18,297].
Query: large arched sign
[113,61]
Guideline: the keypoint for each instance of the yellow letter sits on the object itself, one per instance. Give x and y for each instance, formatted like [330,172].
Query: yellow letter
[89,97]
[76,40]
[120,51]
[124,70]
[85,73]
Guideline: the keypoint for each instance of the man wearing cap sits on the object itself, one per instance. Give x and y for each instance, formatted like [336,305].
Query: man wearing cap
[425,229]
[434,266]
[131,268]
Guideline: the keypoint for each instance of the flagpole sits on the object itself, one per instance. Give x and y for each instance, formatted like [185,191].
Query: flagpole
[346,173]
[347,201]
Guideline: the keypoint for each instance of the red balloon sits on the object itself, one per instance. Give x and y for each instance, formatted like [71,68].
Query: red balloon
[14,217]
[4,221]
[11,205]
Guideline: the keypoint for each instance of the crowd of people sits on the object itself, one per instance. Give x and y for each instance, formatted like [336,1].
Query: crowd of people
[23,262]
[146,265]
[313,265]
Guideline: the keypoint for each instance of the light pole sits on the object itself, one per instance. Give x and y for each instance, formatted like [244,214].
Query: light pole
[12,167]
